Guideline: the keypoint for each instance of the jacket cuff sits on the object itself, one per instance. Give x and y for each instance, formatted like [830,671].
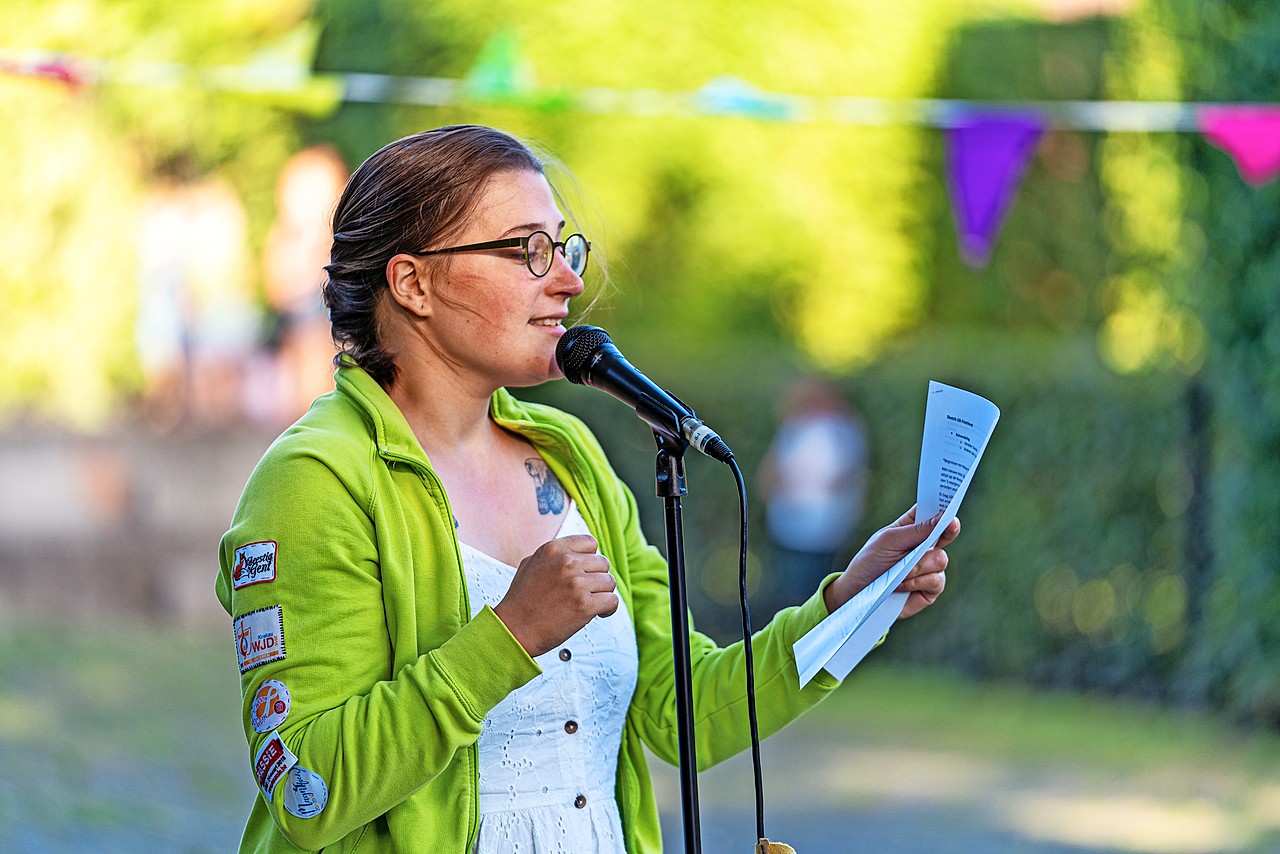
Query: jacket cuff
[484,662]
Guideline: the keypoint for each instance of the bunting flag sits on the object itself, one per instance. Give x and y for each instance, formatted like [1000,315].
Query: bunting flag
[986,156]
[500,72]
[502,75]
[1250,133]
[988,144]
[729,96]
[47,66]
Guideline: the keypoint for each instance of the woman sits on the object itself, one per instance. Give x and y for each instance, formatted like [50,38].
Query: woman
[451,633]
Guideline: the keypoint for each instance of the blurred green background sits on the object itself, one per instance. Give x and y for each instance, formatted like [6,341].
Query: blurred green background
[1119,538]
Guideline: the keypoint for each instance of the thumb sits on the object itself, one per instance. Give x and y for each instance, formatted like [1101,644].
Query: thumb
[904,538]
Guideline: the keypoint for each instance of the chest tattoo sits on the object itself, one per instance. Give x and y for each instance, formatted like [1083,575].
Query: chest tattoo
[551,496]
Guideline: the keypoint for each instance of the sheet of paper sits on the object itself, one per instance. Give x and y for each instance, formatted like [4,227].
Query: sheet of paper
[957,426]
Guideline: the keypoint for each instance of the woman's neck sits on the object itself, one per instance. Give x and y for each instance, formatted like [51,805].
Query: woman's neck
[449,413]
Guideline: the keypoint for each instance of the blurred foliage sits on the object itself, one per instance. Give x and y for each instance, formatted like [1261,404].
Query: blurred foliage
[1070,571]
[1116,535]
[1125,501]
[735,225]
[76,164]
[1150,321]
[1230,52]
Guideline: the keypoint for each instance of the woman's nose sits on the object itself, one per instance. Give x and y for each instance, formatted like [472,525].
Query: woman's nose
[562,277]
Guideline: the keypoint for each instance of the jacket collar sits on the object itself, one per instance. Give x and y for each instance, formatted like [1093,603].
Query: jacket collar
[549,430]
[392,433]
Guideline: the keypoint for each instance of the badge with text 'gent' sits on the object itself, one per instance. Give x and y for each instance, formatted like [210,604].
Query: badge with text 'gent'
[254,563]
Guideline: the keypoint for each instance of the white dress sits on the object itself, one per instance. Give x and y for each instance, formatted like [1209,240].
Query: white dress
[549,751]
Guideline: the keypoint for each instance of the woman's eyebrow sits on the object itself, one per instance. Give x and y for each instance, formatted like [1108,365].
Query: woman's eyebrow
[530,227]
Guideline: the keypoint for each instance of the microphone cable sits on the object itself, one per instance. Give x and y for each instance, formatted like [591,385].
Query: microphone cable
[746,640]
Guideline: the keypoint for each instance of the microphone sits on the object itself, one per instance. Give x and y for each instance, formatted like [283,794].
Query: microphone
[587,356]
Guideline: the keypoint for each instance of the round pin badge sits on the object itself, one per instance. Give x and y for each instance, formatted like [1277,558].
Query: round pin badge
[305,795]
[270,706]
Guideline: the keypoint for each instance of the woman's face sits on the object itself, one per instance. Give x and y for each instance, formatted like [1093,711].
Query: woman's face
[492,317]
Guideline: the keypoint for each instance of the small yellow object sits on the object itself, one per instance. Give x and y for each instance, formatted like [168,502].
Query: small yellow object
[764,846]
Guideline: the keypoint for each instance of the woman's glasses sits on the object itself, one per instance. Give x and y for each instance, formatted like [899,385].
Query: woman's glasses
[539,251]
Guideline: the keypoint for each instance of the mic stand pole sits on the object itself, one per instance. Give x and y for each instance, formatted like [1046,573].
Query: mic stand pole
[670,487]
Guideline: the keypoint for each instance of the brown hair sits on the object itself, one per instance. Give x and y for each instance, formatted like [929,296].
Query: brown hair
[407,195]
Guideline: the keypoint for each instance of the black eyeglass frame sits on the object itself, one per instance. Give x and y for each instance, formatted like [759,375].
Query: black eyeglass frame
[523,243]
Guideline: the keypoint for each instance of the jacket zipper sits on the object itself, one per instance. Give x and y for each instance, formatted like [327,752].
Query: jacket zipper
[575,465]
[426,474]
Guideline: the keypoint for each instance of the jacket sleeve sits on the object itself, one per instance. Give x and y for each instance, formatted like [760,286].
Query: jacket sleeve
[370,733]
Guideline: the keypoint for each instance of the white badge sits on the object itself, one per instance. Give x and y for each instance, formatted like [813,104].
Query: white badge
[254,564]
[272,762]
[259,637]
[270,706]
[305,794]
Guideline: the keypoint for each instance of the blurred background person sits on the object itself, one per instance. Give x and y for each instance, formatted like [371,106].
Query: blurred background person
[197,318]
[296,250]
[160,331]
[814,477]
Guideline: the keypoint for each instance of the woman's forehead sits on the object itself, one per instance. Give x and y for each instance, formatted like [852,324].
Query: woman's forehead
[516,198]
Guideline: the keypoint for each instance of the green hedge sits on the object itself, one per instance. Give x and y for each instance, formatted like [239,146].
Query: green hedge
[1230,54]
[1069,569]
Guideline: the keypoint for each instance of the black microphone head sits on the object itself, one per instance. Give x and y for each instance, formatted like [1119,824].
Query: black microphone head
[575,349]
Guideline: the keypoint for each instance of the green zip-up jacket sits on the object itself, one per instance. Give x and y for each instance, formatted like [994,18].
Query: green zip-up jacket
[360,662]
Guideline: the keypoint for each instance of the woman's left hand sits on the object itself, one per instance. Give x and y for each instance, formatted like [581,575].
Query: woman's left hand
[886,547]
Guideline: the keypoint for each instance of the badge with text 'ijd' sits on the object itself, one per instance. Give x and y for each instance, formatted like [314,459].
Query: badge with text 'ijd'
[259,637]
[254,564]
[270,706]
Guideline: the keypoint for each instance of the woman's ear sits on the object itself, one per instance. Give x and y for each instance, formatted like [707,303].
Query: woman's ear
[409,284]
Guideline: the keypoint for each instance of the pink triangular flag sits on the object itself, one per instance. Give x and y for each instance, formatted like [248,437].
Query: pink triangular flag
[1250,133]
[987,154]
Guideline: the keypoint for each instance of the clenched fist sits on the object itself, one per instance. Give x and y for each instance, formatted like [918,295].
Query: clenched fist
[556,591]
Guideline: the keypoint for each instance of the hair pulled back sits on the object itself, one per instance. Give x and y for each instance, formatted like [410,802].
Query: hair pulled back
[406,196]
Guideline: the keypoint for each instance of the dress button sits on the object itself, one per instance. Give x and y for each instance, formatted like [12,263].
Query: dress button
[580,801]
[565,655]
[571,727]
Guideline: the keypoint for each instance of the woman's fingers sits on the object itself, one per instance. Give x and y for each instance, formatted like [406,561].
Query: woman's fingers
[556,591]
[901,538]
[907,518]
[931,587]
[888,546]
[950,533]
[931,582]
[934,560]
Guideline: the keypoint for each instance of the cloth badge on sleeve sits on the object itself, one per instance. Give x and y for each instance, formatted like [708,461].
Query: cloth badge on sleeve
[260,637]
[272,762]
[270,706]
[305,794]
[255,564]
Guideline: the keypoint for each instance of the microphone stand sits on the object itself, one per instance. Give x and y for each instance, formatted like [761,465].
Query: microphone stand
[670,487]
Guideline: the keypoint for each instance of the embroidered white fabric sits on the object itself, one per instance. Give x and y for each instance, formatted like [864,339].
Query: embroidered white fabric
[549,751]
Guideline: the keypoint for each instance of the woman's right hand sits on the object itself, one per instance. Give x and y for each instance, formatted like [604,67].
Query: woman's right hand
[556,591]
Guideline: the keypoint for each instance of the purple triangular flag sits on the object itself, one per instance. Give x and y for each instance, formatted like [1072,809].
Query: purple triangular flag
[987,155]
